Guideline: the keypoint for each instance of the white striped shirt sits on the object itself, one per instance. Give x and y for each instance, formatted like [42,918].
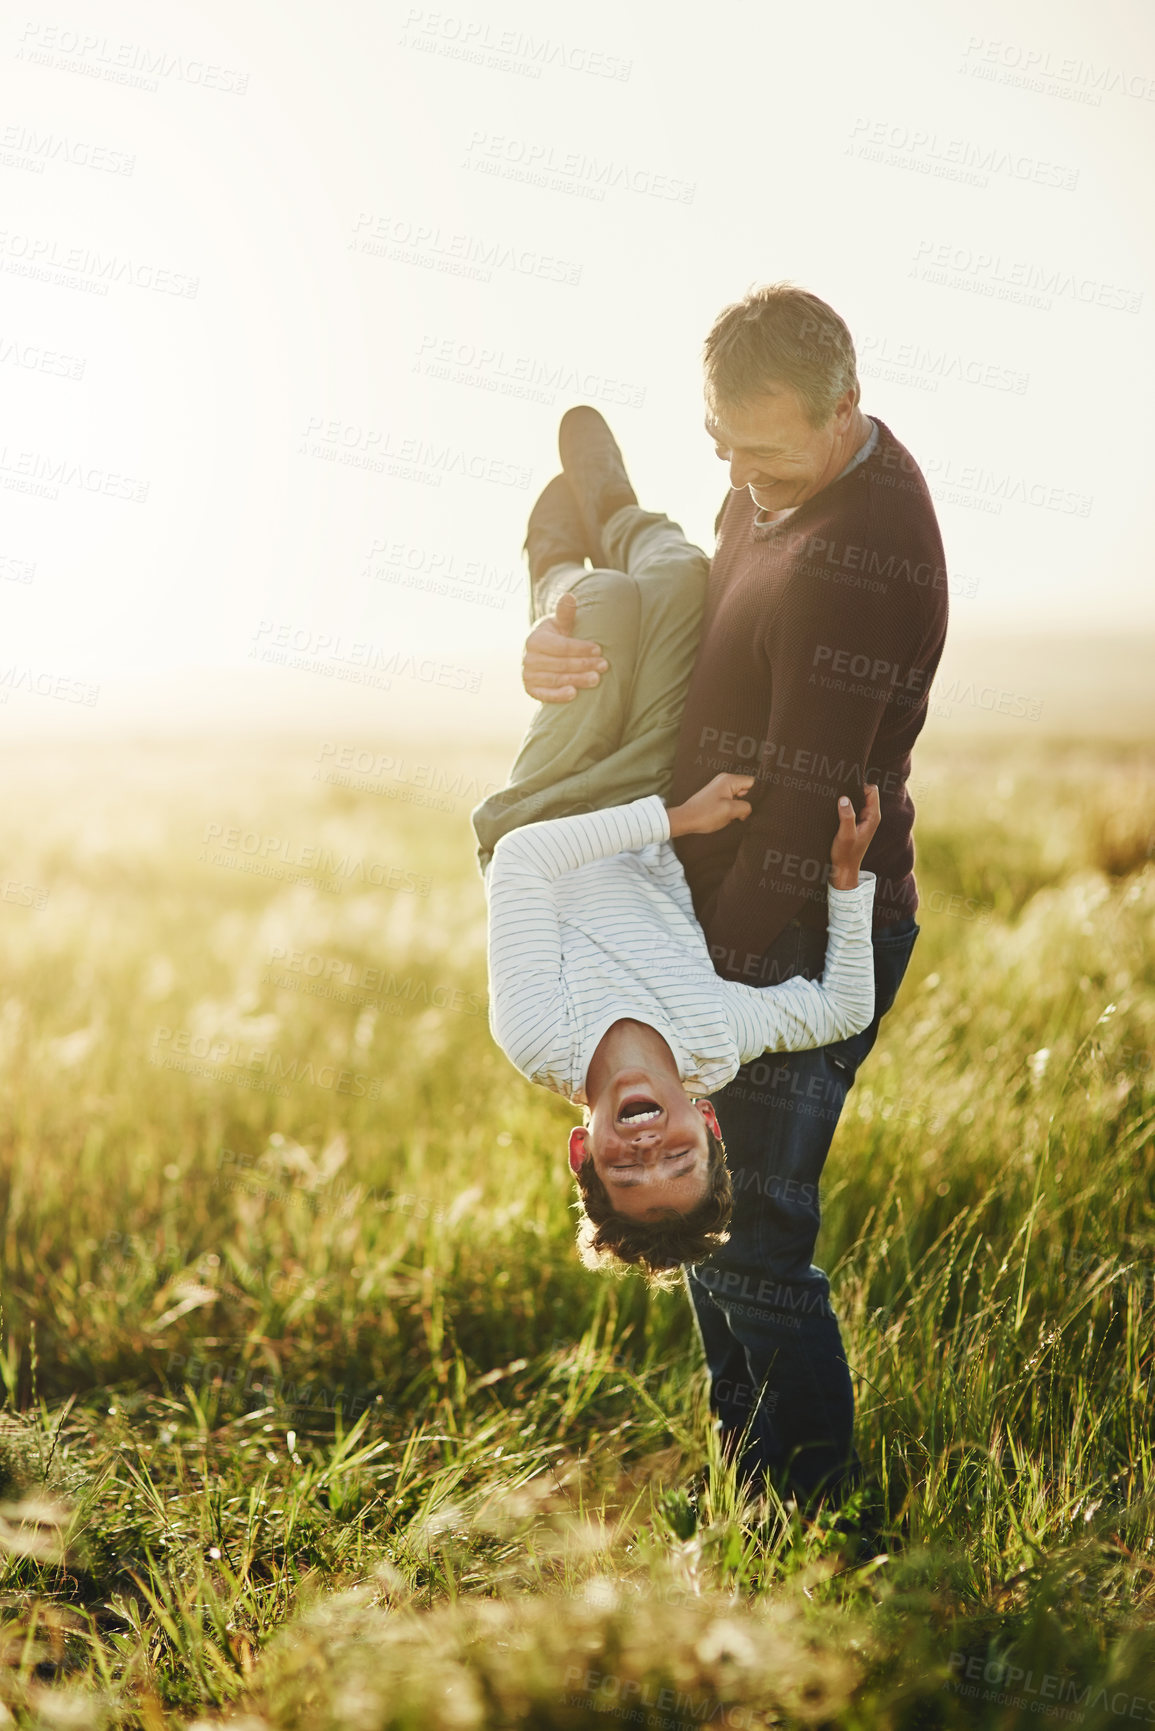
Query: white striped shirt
[591,922]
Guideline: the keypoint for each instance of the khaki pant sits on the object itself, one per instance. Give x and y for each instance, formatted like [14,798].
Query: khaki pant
[614,743]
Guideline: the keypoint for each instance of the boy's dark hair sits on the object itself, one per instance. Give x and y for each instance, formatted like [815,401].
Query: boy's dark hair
[658,1247]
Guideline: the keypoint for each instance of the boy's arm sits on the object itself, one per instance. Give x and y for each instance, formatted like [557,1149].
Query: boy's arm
[800,1014]
[526,1001]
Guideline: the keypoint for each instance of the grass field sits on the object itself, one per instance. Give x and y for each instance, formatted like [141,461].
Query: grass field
[313,1419]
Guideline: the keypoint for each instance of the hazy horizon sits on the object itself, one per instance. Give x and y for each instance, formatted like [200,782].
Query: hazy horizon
[284,355]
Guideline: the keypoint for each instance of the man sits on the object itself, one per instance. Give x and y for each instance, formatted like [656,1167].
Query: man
[825,618]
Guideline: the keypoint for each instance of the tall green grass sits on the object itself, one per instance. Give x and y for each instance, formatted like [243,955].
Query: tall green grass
[312,1417]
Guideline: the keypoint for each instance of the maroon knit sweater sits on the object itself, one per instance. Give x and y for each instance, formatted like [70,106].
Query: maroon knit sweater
[820,641]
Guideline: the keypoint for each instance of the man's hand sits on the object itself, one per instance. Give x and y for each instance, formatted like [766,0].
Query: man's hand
[853,839]
[713,806]
[555,662]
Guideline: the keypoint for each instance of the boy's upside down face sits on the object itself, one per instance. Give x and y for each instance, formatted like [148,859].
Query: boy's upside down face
[650,1164]
[648,1142]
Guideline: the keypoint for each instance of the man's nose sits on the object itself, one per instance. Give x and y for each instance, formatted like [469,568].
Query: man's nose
[742,472]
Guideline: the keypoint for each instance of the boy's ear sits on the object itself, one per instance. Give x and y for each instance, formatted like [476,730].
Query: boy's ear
[577,1148]
[707,1111]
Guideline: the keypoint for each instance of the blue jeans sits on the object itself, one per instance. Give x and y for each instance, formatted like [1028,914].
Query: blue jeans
[768,1328]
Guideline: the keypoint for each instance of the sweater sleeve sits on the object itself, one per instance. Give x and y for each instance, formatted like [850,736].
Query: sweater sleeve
[818,744]
[527,1006]
[799,1014]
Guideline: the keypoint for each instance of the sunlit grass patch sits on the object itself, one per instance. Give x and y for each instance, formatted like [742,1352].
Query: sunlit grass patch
[312,1412]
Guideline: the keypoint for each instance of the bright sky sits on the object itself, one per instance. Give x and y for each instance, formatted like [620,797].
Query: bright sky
[294,297]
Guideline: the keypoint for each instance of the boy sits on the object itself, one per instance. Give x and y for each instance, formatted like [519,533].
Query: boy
[601,984]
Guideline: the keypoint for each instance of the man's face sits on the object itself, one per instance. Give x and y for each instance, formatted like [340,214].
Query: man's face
[648,1143]
[773,449]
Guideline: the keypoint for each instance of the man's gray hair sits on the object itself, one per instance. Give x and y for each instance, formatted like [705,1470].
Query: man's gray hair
[780,336]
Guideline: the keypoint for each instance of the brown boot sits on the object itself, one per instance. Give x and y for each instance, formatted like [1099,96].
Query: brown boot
[556,533]
[596,472]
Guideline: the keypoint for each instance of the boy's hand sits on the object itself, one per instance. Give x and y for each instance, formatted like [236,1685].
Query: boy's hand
[853,839]
[713,806]
[556,662]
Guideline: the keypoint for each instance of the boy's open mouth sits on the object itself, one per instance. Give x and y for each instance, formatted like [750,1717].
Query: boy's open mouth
[640,1111]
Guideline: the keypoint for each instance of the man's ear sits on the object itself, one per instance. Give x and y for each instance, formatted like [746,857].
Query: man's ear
[707,1111]
[577,1148]
[844,408]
